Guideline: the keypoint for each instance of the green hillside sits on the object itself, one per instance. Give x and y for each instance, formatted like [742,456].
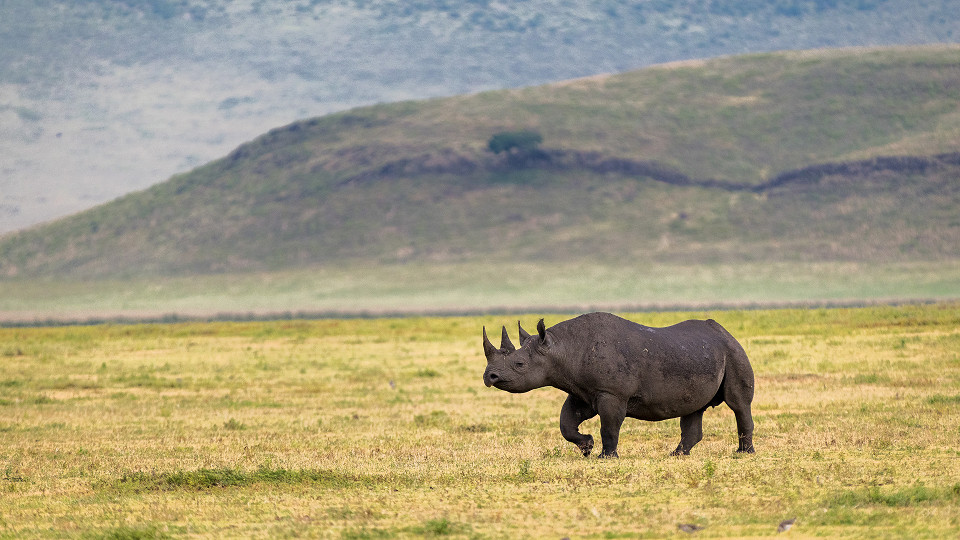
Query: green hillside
[761,158]
[101,98]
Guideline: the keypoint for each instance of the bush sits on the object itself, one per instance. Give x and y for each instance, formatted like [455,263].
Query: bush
[514,141]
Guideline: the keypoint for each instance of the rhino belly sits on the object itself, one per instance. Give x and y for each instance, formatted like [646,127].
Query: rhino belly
[673,398]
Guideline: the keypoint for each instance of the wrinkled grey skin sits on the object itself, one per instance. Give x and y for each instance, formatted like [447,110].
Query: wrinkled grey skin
[617,368]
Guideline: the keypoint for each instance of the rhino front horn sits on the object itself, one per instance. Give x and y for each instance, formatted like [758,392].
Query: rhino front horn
[488,347]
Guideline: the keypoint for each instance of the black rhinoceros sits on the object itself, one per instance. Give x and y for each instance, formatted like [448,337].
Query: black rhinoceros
[617,368]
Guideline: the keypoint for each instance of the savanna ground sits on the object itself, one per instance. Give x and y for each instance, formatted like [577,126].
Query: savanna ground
[374,428]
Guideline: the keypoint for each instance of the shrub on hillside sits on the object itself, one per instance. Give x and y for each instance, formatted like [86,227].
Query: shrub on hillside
[514,141]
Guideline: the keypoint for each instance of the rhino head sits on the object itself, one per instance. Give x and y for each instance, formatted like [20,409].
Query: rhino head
[518,370]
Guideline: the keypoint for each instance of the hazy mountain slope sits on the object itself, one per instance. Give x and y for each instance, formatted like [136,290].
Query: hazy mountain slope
[102,97]
[721,160]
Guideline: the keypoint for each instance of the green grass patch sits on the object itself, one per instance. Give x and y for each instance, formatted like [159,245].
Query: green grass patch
[912,496]
[207,479]
[940,399]
[127,532]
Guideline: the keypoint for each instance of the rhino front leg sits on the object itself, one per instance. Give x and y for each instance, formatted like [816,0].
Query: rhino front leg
[574,412]
[612,412]
[691,432]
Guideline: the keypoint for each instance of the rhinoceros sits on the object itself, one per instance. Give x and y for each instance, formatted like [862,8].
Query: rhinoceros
[617,368]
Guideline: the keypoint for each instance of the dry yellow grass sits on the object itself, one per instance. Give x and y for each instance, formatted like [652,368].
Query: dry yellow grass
[382,428]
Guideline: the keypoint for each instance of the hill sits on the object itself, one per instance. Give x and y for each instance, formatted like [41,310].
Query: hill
[99,98]
[762,158]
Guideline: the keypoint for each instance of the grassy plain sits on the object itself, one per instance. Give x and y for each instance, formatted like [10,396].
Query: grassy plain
[377,428]
[478,288]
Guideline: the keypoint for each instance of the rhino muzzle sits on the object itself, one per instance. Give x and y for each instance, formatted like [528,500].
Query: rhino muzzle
[490,378]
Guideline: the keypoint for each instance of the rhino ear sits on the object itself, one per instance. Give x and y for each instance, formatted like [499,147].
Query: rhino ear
[545,340]
[524,336]
[488,348]
[506,345]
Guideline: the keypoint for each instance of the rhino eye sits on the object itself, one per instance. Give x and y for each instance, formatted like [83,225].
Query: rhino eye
[518,363]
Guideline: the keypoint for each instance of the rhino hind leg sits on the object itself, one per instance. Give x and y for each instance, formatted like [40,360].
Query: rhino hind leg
[691,432]
[574,412]
[738,394]
[737,388]
[744,429]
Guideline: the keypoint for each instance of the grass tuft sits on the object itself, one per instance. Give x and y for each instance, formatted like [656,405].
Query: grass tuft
[127,532]
[441,527]
[364,533]
[235,425]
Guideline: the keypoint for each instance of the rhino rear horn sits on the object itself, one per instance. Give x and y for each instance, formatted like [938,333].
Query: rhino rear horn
[505,344]
[488,348]
[524,335]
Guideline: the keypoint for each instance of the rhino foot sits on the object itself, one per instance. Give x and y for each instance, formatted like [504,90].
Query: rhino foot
[609,455]
[586,446]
